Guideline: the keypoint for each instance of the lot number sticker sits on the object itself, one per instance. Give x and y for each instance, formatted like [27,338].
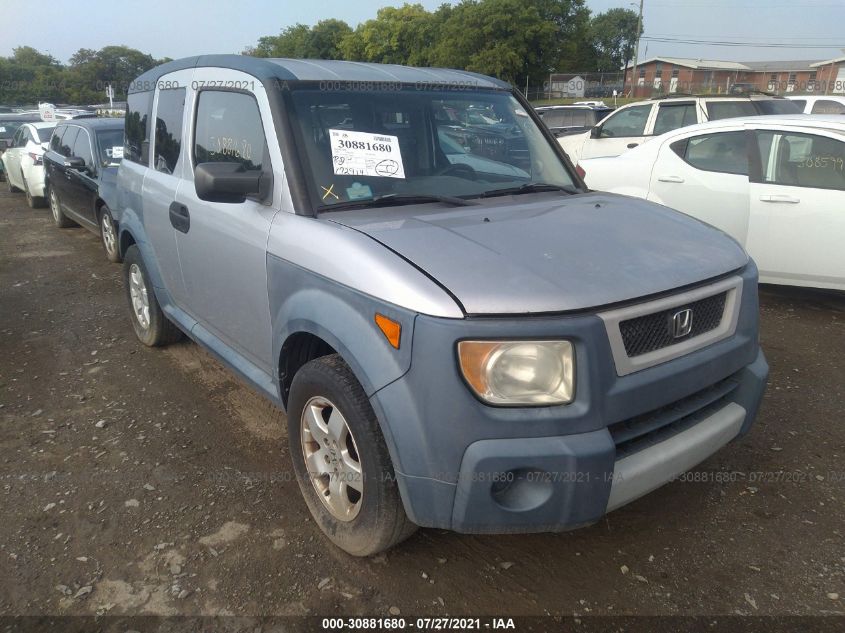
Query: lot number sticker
[365,154]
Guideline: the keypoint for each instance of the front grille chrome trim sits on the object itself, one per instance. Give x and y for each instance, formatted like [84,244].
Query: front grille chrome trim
[732,287]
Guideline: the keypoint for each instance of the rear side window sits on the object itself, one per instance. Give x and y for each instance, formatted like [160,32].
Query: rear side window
[82,148]
[56,139]
[169,111]
[826,106]
[628,122]
[724,152]
[801,103]
[673,116]
[139,107]
[729,109]
[68,141]
[229,130]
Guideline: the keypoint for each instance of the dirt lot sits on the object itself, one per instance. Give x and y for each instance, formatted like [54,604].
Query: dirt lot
[151,481]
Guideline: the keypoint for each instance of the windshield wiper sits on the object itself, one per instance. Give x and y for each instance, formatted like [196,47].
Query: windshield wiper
[529,187]
[391,199]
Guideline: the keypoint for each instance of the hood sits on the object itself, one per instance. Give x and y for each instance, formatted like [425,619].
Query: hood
[550,253]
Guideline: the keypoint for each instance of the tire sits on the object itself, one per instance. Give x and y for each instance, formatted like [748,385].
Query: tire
[151,326]
[9,186]
[369,518]
[108,235]
[59,218]
[34,202]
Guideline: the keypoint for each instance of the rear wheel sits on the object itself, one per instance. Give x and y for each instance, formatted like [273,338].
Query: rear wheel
[59,218]
[108,235]
[341,460]
[34,202]
[151,326]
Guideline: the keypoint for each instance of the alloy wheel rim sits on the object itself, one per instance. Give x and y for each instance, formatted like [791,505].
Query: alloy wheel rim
[54,205]
[139,297]
[331,458]
[108,234]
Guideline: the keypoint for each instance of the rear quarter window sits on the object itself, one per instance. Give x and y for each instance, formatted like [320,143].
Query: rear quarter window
[730,109]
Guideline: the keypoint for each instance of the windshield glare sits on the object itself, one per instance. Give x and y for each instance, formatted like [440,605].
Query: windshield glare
[366,144]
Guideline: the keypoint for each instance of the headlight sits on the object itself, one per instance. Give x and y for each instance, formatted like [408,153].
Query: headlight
[519,372]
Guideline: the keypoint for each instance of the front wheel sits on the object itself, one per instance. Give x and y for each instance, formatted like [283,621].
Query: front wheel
[108,235]
[151,326]
[341,460]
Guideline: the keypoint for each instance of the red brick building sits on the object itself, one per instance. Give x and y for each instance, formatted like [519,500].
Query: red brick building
[680,74]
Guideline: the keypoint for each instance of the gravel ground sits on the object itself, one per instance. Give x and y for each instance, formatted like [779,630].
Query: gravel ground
[141,481]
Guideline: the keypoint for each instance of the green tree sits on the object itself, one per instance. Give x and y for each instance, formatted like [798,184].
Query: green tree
[397,35]
[512,39]
[325,39]
[29,77]
[89,72]
[613,35]
[322,41]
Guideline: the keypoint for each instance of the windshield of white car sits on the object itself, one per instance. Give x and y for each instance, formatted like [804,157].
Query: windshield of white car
[362,145]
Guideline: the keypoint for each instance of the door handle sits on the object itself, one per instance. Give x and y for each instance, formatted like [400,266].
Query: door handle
[632,145]
[670,179]
[180,219]
[780,198]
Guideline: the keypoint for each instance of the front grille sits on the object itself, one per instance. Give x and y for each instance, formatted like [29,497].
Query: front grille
[651,332]
[635,434]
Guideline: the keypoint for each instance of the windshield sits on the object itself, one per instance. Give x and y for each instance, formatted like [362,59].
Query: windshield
[362,145]
[110,147]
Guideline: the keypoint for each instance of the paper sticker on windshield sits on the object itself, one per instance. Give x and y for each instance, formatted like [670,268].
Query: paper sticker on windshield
[115,152]
[365,154]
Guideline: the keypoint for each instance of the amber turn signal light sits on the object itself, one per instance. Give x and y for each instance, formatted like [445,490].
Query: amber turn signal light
[391,329]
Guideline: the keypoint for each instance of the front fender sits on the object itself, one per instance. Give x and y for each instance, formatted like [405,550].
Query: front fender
[131,230]
[302,301]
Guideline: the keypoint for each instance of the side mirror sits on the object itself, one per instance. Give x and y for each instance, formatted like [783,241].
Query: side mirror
[230,182]
[595,132]
[75,162]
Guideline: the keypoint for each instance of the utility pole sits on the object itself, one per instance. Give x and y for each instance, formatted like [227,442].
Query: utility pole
[635,78]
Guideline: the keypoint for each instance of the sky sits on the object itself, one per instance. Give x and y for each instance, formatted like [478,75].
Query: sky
[180,28]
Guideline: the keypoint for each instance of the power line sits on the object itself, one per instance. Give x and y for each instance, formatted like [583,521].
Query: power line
[724,43]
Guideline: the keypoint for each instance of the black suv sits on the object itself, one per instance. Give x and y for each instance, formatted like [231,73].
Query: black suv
[80,176]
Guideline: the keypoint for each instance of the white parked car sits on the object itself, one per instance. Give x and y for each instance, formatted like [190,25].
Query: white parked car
[23,161]
[775,183]
[820,104]
[636,123]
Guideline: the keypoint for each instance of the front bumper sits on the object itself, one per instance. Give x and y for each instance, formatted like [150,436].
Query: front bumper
[468,467]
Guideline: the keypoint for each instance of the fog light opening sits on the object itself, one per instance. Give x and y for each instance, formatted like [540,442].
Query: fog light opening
[522,489]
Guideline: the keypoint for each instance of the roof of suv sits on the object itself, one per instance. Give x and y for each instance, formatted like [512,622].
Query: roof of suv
[680,96]
[834,122]
[320,70]
[104,123]
[573,106]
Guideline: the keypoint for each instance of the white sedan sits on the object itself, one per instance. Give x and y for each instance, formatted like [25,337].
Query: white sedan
[774,183]
[23,161]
